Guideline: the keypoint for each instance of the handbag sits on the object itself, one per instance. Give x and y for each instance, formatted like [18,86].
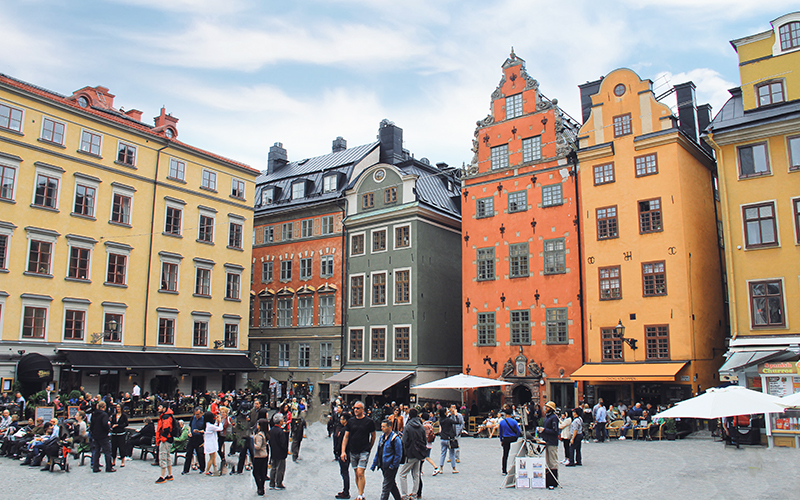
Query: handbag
[452,444]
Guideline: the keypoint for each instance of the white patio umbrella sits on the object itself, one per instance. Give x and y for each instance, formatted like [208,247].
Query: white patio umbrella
[726,402]
[791,400]
[461,381]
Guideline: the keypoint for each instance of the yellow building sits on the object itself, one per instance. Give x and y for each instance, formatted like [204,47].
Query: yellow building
[124,252]
[756,138]
[650,247]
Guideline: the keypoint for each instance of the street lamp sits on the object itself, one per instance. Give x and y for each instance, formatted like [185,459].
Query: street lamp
[619,332]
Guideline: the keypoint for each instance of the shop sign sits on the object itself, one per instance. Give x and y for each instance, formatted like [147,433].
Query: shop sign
[780,368]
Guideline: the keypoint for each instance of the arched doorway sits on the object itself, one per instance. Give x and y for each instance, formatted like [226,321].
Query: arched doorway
[521,395]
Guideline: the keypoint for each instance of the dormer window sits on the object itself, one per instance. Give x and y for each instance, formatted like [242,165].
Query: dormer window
[267,196]
[329,183]
[83,101]
[790,35]
[770,93]
[298,190]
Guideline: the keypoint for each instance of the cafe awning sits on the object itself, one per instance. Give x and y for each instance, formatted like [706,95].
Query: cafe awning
[134,360]
[219,362]
[374,383]
[34,368]
[344,377]
[628,372]
[740,360]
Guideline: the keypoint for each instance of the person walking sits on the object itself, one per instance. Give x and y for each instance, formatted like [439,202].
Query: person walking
[279,449]
[600,417]
[101,442]
[415,452]
[359,435]
[550,434]
[211,442]
[459,428]
[564,423]
[261,455]
[298,433]
[195,445]
[165,435]
[576,438]
[119,433]
[252,423]
[344,465]
[387,459]
[447,434]
[508,432]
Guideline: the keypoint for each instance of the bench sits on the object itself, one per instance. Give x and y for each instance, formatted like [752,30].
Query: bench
[146,449]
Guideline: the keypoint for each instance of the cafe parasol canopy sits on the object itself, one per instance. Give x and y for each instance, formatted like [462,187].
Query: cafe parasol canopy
[461,381]
[792,400]
[725,402]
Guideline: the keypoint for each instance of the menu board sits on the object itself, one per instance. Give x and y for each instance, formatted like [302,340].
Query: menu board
[530,472]
[783,385]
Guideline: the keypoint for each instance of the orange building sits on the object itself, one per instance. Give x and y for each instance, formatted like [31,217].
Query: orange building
[521,263]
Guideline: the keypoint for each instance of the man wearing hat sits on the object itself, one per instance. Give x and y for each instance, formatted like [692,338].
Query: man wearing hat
[550,434]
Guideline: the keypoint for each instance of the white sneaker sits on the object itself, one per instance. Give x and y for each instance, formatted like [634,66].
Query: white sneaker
[622,438]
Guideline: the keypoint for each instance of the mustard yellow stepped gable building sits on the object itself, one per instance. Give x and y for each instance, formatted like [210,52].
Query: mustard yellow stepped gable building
[654,315]
[756,138]
[124,252]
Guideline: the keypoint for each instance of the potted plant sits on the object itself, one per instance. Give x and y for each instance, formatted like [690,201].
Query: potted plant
[670,429]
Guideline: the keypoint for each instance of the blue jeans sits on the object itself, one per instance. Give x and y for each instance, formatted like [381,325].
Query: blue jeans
[445,447]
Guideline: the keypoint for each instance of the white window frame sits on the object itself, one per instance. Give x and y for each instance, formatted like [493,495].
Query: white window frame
[284,362]
[372,236]
[7,230]
[238,220]
[87,181]
[302,185]
[85,243]
[394,236]
[267,196]
[81,305]
[349,342]
[291,273]
[394,287]
[309,269]
[175,206]
[212,214]
[93,133]
[117,309]
[209,180]
[236,270]
[385,343]
[394,344]
[172,315]
[360,233]
[170,258]
[236,182]
[21,120]
[54,121]
[205,318]
[269,264]
[332,225]
[290,298]
[35,300]
[327,181]
[350,290]
[322,261]
[122,190]
[12,164]
[332,296]
[386,283]
[511,106]
[49,171]
[179,166]
[117,249]
[206,266]
[135,153]
[230,319]
[46,236]
[310,318]
[306,228]
[532,148]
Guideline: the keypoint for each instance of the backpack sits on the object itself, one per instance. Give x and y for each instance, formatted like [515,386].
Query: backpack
[176,428]
[430,436]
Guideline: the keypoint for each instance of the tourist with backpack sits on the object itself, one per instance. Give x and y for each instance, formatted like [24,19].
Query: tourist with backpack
[387,458]
[166,430]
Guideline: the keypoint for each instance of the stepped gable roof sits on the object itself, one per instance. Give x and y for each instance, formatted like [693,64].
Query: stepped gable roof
[111,115]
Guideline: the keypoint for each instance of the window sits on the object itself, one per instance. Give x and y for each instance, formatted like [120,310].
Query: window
[209,180]
[520,327]
[357,344]
[266,272]
[52,131]
[79,263]
[607,223]
[304,355]
[766,302]
[286,270]
[267,196]
[200,334]
[172,224]
[169,277]
[379,240]
[555,259]
[390,195]
[237,188]
[402,343]
[269,234]
[657,339]
[532,149]
[378,351]
[265,312]
[753,160]
[264,352]
[90,142]
[326,309]
[654,279]
[356,291]
[121,209]
[760,228]
[646,165]
[610,283]
[402,237]
[368,200]
[769,93]
[517,202]
[112,327]
[84,200]
[326,266]
[205,231]
[518,260]
[39,258]
[378,289]
[327,224]
[513,106]
[484,207]
[790,35]
[793,146]
[286,231]
[203,282]
[622,125]
[650,216]
[603,174]
[402,286]
[235,235]
[10,118]
[305,268]
[556,325]
[552,195]
[232,286]
[307,228]
[486,329]
[116,269]
[285,311]
[485,264]
[499,157]
[357,244]
[283,354]
[612,346]
[795,207]
[34,322]
[177,169]
[4,251]
[7,177]
[298,190]
[166,331]
[126,154]
[329,184]
[46,191]
[231,335]
[74,324]
[325,354]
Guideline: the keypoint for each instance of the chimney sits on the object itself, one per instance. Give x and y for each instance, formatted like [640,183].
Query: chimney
[687,111]
[339,144]
[441,165]
[391,142]
[588,89]
[276,158]
[166,124]
[704,118]
[134,114]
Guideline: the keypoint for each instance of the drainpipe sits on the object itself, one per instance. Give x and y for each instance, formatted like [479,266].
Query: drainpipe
[150,251]
[573,158]
[342,356]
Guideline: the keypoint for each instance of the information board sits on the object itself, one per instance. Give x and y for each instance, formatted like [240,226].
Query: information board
[530,472]
[72,411]
[46,412]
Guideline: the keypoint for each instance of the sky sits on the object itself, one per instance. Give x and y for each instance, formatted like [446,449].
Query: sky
[241,75]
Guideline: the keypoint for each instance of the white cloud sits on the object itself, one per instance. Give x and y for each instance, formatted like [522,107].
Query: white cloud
[711,87]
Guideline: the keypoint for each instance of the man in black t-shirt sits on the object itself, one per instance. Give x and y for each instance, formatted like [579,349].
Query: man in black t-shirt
[359,436]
